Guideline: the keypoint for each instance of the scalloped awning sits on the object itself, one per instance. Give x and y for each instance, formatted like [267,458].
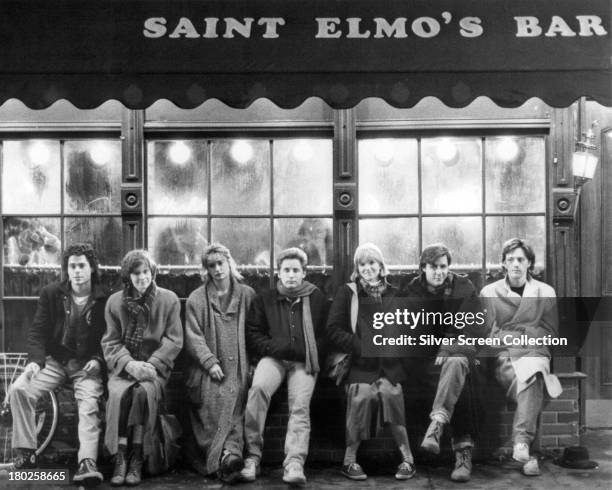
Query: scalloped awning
[187,51]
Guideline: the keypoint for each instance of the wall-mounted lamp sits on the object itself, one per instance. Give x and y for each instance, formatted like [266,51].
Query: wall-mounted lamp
[584,164]
[584,159]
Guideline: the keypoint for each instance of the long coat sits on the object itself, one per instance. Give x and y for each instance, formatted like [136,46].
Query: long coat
[163,340]
[214,336]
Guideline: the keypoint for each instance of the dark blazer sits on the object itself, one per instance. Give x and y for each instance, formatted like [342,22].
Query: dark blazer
[341,338]
[268,335]
[52,313]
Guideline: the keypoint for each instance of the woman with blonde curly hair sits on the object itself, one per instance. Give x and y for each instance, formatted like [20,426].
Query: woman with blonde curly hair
[218,365]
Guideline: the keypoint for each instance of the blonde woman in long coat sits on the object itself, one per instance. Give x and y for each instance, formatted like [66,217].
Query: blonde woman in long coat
[217,364]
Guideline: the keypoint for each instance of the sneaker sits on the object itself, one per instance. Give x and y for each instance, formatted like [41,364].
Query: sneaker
[405,471]
[463,465]
[25,459]
[250,471]
[134,474]
[354,471]
[431,441]
[521,452]
[531,467]
[294,474]
[88,472]
[229,470]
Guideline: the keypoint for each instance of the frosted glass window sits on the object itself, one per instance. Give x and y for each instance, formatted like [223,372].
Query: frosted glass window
[398,239]
[177,241]
[463,237]
[452,175]
[515,175]
[303,176]
[31,177]
[502,228]
[241,177]
[388,176]
[104,234]
[313,235]
[32,241]
[247,238]
[92,179]
[177,177]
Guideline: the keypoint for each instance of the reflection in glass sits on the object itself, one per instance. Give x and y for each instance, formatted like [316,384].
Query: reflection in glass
[31,177]
[247,238]
[92,176]
[178,176]
[398,238]
[452,179]
[463,237]
[32,241]
[388,176]
[515,175]
[177,241]
[303,176]
[241,176]
[313,235]
[502,228]
[104,235]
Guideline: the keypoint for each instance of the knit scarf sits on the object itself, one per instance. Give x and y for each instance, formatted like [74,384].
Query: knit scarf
[139,312]
[445,289]
[374,290]
[304,291]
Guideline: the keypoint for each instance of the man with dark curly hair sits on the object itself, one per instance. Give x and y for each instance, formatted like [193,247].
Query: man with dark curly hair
[64,345]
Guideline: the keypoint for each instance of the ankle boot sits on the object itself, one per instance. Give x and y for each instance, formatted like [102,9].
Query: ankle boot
[120,470]
[463,465]
[134,473]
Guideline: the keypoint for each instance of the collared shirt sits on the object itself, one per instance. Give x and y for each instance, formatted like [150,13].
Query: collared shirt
[291,322]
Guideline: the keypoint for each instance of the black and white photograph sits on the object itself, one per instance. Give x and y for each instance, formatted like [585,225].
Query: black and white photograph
[270,244]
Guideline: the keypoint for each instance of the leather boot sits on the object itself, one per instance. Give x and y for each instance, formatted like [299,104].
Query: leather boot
[120,470]
[134,473]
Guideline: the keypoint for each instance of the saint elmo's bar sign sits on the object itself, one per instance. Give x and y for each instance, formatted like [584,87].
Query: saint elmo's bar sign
[366,46]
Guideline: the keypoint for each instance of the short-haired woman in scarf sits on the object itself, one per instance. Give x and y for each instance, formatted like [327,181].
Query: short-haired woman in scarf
[372,384]
[217,370]
[143,338]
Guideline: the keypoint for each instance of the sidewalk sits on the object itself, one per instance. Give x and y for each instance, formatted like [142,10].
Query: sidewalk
[500,476]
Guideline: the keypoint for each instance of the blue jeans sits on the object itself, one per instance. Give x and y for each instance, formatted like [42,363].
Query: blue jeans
[269,374]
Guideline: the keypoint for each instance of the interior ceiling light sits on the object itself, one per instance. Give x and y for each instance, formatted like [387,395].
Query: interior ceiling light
[100,153]
[446,151]
[302,151]
[241,151]
[180,153]
[384,152]
[507,149]
[39,153]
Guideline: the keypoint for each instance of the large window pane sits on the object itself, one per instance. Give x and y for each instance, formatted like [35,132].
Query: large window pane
[398,239]
[313,235]
[247,238]
[241,176]
[515,175]
[463,237]
[303,176]
[92,176]
[178,177]
[177,241]
[502,228]
[104,234]
[31,177]
[452,178]
[32,241]
[388,176]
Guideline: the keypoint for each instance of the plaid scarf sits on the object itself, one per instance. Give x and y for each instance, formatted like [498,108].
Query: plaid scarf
[374,290]
[139,311]
[445,289]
